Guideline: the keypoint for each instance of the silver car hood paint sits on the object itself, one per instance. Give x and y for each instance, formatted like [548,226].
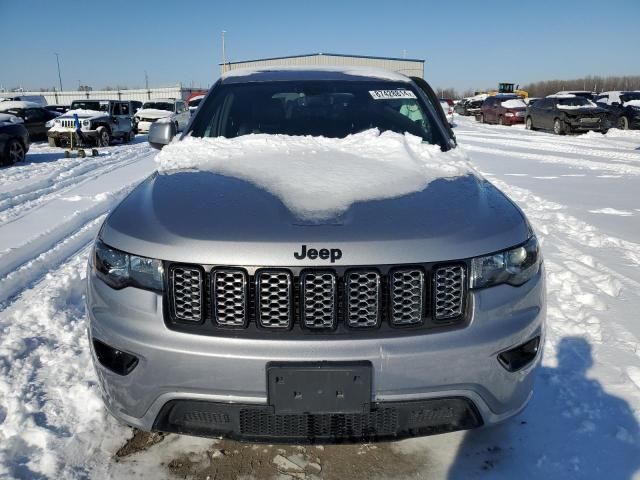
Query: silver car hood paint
[202,217]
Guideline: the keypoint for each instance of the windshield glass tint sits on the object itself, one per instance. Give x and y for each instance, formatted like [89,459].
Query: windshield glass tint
[316,108]
[159,106]
[575,102]
[98,106]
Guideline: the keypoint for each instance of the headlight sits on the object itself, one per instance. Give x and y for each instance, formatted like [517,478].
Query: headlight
[508,114]
[514,266]
[86,123]
[119,270]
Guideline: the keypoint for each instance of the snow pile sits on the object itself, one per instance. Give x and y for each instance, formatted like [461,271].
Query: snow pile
[6,119]
[317,177]
[513,103]
[85,113]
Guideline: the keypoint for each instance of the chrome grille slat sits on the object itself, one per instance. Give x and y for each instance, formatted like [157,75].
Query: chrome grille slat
[448,295]
[274,299]
[318,298]
[230,295]
[407,294]
[187,293]
[363,298]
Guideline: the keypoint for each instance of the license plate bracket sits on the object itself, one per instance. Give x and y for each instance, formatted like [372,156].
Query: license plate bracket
[319,387]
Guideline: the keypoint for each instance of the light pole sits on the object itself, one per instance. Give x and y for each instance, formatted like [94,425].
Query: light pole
[59,76]
[224,57]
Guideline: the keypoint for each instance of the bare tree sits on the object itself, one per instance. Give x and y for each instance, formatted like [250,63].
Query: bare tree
[592,83]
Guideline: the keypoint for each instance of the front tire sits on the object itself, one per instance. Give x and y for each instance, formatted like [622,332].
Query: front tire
[500,120]
[623,123]
[528,124]
[481,118]
[104,137]
[558,127]
[14,152]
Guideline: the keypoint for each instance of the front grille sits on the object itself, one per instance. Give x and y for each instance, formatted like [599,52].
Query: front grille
[229,288]
[210,300]
[363,298]
[255,422]
[187,293]
[68,123]
[407,294]
[274,299]
[448,292]
[319,295]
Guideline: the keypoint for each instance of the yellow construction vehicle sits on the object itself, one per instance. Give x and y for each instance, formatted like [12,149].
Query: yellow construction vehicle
[509,88]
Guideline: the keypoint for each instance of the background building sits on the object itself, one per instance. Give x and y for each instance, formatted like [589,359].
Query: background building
[407,66]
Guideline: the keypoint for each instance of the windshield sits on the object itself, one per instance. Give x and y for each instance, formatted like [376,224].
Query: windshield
[575,102]
[195,102]
[88,105]
[159,106]
[317,108]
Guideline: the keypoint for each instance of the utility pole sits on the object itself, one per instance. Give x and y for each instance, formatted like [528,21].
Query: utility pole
[146,80]
[59,76]
[224,57]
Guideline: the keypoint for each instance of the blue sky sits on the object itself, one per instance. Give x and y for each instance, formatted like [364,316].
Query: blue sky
[466,44]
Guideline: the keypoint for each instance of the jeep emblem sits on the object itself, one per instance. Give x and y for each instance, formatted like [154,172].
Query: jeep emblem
[332,254]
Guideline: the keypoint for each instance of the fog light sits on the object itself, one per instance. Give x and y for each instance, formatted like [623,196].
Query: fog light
[518,357]
[115,360]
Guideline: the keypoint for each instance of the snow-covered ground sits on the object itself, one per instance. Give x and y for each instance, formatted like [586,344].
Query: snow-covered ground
[582,193]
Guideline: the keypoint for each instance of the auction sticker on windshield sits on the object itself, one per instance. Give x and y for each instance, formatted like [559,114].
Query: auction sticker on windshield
[391,94]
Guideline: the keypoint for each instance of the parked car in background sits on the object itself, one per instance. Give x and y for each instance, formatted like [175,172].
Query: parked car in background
[58,108]
[14,139]
[39,99]
[503,110]
[34,116]
[566,114]
[194,102]
[101,122]
[530,100]
[169,109]
[623,108]
[135,106]
[447,108]
[459,107]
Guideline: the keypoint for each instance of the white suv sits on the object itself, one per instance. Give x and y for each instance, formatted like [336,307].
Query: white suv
[168,109]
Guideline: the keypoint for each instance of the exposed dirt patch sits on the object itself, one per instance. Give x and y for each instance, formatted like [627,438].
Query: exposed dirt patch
[139,442]
[229,459]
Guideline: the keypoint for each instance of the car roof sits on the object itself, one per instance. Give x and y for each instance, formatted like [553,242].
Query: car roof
[281,74]
[162,100]
[18,104]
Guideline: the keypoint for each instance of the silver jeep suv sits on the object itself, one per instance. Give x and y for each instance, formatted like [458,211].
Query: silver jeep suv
[215,312]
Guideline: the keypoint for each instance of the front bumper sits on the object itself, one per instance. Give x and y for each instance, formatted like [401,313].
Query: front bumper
[228,374]
[577,126]
[144,125]
[63,137]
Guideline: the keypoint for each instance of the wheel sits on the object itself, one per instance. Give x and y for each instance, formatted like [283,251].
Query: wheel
[67,154]
[177,128]
[81,153]
[500,120]
[14,152]
[94,152]
[132,136]
[623,123]
[104,137]
[481,118]
[558,128]
[528,124]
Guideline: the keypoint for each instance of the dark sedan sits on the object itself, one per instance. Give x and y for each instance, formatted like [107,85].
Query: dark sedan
[566,114]
[35,119]
[623,108]
[14,140]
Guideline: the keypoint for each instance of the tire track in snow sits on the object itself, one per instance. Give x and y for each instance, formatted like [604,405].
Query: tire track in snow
[20,201]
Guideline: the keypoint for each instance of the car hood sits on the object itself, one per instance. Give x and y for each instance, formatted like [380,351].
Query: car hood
[207,218]
[153,113]
[583,111]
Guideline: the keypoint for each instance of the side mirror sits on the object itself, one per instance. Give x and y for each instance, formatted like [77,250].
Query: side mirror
[161,134]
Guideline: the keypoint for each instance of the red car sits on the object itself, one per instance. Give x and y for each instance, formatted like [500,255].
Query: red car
[503,110]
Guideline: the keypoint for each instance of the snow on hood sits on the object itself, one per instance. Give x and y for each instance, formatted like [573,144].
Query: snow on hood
[153,113]
[513,103]
[316,177]
[6,119]
[475,98]
[85,113]
[632,103]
